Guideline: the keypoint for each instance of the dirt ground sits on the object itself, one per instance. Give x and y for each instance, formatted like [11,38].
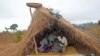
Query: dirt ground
[5,40]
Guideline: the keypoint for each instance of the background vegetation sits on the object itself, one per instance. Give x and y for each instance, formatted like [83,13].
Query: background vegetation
[92,28]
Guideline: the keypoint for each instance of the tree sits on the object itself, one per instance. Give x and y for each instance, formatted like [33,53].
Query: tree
[6,29]
[99,22]
[14,27]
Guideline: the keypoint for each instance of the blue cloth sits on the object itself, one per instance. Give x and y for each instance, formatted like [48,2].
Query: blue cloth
[43,42]
[47,48]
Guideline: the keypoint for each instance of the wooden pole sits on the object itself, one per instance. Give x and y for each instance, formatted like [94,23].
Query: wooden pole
[34,37]
[35,45]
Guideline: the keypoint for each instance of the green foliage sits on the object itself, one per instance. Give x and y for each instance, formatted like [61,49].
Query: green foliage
[99,22]
[58,15]
[18,35]
[14,27]
[55,13]
[6,29]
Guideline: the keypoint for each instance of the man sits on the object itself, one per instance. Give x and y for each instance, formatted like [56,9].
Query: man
[60,43]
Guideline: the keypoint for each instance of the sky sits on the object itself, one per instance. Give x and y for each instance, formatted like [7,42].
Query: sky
[75,11]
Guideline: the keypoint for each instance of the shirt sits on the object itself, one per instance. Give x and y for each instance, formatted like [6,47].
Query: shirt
[51,37]
[63,40]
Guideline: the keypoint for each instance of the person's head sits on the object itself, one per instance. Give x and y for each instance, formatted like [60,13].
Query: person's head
[61,33]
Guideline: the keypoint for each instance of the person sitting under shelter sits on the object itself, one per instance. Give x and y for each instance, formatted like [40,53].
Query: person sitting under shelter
[46,43]
[60,43]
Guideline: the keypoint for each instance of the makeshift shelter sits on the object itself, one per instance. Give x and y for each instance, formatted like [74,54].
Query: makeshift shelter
[42,20]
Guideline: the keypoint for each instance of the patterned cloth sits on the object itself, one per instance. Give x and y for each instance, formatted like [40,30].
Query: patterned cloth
[46,43]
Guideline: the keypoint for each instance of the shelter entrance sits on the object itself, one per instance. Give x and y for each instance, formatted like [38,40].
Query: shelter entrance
[47,41]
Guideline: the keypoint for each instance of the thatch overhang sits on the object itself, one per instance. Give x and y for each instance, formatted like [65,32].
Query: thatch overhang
[42,20]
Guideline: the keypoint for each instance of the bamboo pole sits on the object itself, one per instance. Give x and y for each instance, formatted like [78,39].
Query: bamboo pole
[35,45]
[36,51]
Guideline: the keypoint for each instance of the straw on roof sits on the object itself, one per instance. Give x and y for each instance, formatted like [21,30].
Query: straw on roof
[42,20]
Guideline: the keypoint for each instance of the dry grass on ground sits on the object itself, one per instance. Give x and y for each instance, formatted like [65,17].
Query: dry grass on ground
[6,40]
[95,31]
[70,51]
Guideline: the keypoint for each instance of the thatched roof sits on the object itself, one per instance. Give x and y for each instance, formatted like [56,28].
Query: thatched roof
[42,20]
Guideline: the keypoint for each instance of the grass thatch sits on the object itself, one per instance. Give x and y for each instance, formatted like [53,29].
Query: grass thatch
[42,20]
